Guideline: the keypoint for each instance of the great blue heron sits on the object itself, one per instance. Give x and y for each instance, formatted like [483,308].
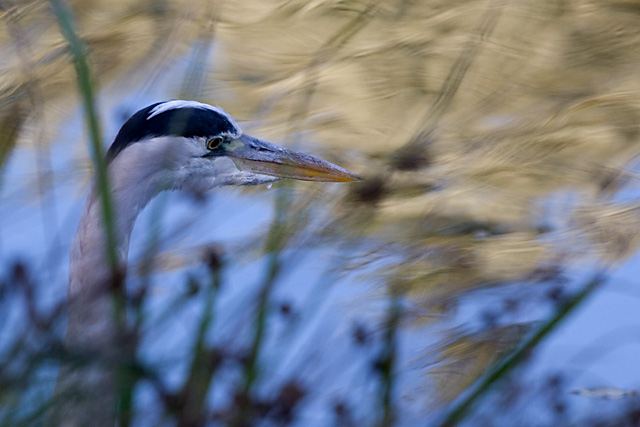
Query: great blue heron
[165,146]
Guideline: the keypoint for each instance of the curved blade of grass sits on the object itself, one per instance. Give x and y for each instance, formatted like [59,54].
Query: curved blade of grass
[457,413]
[85,87]
[85,82]
[454,79]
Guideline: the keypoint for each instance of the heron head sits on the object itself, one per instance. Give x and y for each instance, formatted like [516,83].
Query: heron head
[191,144]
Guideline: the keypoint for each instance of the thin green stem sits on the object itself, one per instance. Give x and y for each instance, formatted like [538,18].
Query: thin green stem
[387,360]
[510,362]
[278,235]
[203,368]
[85,82]
[274,246]
[85,85]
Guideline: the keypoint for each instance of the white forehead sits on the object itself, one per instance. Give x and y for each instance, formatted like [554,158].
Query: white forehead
[179,103]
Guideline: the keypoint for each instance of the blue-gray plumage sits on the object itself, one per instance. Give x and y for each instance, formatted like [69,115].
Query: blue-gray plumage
[178,145]
[165,146]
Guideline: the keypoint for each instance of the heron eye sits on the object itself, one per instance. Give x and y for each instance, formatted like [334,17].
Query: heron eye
[213,143]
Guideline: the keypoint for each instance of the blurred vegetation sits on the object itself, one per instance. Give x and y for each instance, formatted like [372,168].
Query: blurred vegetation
[465,118]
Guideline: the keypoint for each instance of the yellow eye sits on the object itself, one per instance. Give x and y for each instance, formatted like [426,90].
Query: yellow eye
[213,143]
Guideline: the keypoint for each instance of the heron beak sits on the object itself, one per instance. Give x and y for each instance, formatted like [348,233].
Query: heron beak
[262,157]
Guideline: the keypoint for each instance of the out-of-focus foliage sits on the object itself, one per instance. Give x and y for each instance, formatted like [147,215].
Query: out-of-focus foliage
[464,118]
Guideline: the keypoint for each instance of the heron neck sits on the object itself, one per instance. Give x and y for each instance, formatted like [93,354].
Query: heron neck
[89,264]
[93,324]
